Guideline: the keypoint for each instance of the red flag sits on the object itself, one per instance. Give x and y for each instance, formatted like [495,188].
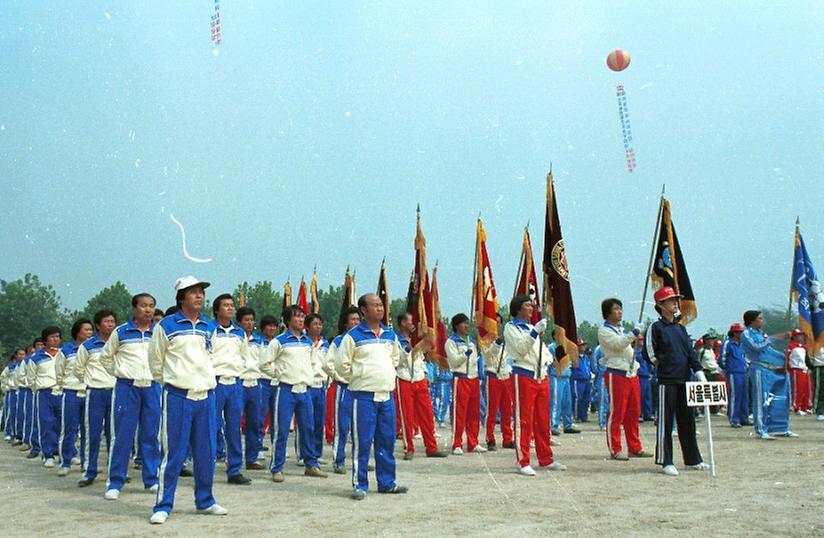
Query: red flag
[484,295]
[303,303]
[436,324]
[527,282]
[418,286]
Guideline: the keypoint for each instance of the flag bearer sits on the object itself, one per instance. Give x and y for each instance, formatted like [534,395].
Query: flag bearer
[462,354]
[499,392]
[251,387]
[74,398]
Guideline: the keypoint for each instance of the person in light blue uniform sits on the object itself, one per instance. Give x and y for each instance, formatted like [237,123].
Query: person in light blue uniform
[732,362]
[644,381]
[444,384]
[560,396]
[482,379]
[601,396]
[582,384]
[768,375]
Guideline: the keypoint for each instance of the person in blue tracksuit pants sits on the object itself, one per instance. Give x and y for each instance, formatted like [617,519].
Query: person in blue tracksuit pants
[432,379]
[47,394]
[769,377]
[560,396]
[250,379]
[343,398]
[601,392]
[732,362]
[368,356]
[268,330]
[74,397]
[99,384]
[644,380]
[13,411]
[482,378]
[289,360]
[317,390]
[179,357]
[32,425]
[444,385]
[582,384]
[135,397]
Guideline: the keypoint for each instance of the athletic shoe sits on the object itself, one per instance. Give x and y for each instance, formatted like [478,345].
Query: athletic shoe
[137,466]
[278,477]
[254,466]
[802,413]
[620,456]
[314,472]
[24,447]
[491,447]
[699,467]
[670,470]
[214,510]
[370,467]
[735,425]
[478,448]
[17,442]
[554,466]
[322,461]
[85,482]
[358,494]
[641,454]
[184,473]
[159,518]
[153,488]
[32,455]
[457,451]
[7,438]
[552,442]
[339,470]
[820,418]
[63,471]
[787,433]
[437,454]
[75,461]
[555,432]
[527,470]
[767,437]
[300,463]
[396,489]
[49,463]
[239,480]
[509,445]
[112,494]
[572,429]
[407,456]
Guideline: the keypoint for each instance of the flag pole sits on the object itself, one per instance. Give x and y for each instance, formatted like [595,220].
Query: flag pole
[652,254]
[520,261]
[474,274]
[792,271]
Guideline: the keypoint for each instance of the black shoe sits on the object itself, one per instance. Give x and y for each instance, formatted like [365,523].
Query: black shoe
[508,445]
[735,425]
[408,456]
[437,454]
[254,466]
[555,432]
[266,449]
[221,459]
[186,472]
[491,447]
[86,482]
[572,430]
[396,489]
[239,480]
[746,423]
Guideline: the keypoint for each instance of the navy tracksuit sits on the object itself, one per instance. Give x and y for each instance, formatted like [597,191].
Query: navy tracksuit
[734,365]
[645,382]
[582,387]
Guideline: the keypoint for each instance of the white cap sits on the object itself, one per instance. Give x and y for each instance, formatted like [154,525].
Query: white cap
[188,281]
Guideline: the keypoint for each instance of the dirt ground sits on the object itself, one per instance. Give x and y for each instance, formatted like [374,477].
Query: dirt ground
[763,488]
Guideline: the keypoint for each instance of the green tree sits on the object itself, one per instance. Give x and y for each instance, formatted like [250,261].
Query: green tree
[261,297]
[27,306]
[115,298]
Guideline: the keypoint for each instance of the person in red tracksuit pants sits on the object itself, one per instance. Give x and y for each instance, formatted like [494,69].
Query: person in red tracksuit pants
[498,392]
[412,390]
[462,354]
[530,386]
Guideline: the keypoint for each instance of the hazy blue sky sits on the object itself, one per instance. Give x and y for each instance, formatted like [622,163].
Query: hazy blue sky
[311,133]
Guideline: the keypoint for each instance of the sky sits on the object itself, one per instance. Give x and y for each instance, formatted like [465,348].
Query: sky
[309,135]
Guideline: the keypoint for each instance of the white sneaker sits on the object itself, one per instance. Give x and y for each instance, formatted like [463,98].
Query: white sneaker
[479,448]
[553,442]
[555,466]
[49,463]
[7,438]
[154,488]
[820,418]
[787,433]
[159,518]
[457,451]
[214,510]
[767,437]
[527,470]
[670,470]
[699,467]
[75,461]
[418,436]
[63,471]
[112,494]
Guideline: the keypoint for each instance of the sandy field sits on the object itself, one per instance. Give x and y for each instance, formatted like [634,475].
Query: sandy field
[762,488]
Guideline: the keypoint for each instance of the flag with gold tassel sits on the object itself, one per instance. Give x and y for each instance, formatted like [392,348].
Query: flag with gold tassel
[313,293]
[526,282]
[668,267]
[287,295]
[303,301]
[484,296]
[383,293]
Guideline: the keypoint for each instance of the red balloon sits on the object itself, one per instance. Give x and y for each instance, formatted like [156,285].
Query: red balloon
[618,60]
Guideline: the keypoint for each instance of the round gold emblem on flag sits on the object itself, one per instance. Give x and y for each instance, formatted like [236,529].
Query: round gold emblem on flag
[559,260]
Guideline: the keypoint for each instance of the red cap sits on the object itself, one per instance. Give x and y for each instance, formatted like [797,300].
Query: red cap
[736,328]
[665,293]
[797,331]
[699,342]
[717,344]
[580,342]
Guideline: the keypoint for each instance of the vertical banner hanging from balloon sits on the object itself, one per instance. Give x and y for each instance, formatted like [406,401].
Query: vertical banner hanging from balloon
[618,60]
[215,24]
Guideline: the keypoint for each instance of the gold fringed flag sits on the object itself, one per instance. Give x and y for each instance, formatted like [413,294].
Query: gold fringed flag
[557,292]
[347,300]
[303,301]
[383,293]
[527,283]
[418,285]
[436,324]
[484,295]
[313,292]
[669,268]
[287,295]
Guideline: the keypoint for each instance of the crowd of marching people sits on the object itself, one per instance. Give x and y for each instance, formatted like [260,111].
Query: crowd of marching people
[174,392]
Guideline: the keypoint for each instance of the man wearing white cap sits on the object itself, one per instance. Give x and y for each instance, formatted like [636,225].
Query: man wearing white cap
[180,360]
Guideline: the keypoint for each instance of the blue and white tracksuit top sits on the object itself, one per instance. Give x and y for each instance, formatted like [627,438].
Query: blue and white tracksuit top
[179,354]
[43,369]
[89,368]
[462,355]
[732,359]
[369,360]
[582,372]
[288,360]
[229,352]
[757,349]
[65,365]
[126,354]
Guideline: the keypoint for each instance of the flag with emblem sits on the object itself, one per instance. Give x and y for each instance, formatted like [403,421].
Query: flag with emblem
[484,295]
[383,293]
[527,283]
[557,292]
[418,285]
[668,267]
[347,299]
[808,293]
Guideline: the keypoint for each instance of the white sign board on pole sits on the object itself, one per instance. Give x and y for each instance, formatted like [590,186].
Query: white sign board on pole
[706,394]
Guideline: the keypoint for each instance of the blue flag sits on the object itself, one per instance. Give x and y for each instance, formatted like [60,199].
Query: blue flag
[807,290]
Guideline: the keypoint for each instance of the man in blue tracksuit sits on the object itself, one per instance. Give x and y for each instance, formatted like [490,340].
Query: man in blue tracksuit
[47,394]
[250,379]
[732,362]
[74,397]
[582,384]
[560,394]
[268,330]
[769,378]
[444,394]
[644,380]
[601,396]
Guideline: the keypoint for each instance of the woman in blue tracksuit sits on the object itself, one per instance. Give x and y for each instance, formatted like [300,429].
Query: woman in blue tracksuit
[768,375]
[731,360]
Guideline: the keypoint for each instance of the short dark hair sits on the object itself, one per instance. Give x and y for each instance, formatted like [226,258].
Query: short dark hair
[77,325]
[104,313]
[402,316]
[312,317]
[219,299]
[244,311]
[290,311]
[607,304]
[48,331]
[348,311]
[750,316]
[171,310]
[516,303]
[457,319]
[37,340]
[266,321]
[139,296]
[158,312]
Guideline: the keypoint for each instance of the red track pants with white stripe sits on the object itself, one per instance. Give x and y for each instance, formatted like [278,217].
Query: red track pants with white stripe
[531,419]
[416,412]
[466,411]
[801,390]
[624,410]
[329,427]
[498,397]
